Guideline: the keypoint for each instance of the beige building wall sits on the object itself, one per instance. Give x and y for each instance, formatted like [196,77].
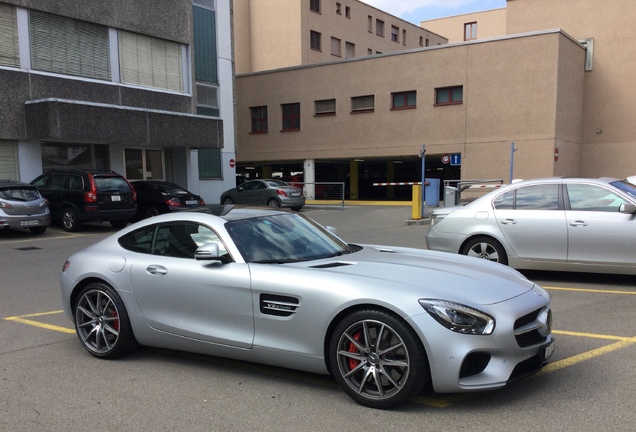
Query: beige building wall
[273,34]
[491,23]
[496,110]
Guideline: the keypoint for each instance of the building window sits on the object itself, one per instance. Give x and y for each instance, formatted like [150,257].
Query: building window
[395,34]
[259,119]
[291,117]
[67,46]
[369,51]
[335,47]
[362,104]
[404,100]
[347,11]
[315,40]
[150,62]
[209,163]
[449,95]
[339,8]
[325,107]
[350,50]
[370,26]
[9,54]
[403,37]
[314,5]
[207,99]
[421,40]
[379,27]
[428,42]
[470,31]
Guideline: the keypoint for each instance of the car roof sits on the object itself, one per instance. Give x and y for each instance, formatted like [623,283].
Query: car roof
[9,183]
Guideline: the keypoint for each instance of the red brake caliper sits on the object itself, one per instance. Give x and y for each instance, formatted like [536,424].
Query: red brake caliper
[116,323]
[352,349]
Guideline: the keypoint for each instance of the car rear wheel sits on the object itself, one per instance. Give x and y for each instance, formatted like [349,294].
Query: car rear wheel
[70,221]
[377,359]
[102,323]
[38,230]
[486,248]
[273,202]
[228,200]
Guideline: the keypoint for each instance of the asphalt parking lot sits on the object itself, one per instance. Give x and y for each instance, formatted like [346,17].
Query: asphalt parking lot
[49,383]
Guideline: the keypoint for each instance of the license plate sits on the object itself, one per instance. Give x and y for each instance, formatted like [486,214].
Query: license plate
[29,223]
[548,350]
[294,194]
[115,198]
[192,202]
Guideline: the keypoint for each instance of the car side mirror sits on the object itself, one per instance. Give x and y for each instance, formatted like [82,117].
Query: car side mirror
[207,252]
[240,188]
[627,208]
[332,230]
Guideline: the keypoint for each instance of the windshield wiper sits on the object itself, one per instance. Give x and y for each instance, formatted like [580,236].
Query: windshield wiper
[339,253]
[279,261]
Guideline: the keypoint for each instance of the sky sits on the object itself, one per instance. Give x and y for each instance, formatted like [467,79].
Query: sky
[415,11]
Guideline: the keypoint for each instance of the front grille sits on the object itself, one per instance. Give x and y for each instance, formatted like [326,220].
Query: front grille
[474,363]
[528,329]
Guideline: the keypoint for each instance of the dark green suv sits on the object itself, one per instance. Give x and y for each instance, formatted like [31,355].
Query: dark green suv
[76,196]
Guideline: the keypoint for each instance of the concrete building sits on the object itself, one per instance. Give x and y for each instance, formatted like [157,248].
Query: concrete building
[540,88]
[118,85]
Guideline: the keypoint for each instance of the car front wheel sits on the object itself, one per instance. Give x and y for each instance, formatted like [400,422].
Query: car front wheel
[377,359]
[486,248]
[228,200]
[70,221]
[102,323]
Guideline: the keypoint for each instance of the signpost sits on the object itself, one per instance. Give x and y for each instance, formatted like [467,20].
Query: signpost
[423,156]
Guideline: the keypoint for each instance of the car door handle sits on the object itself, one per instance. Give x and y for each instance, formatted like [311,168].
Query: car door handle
[156,270]
[508,221]
[578,223]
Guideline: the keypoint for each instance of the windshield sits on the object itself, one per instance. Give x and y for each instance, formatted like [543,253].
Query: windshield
[285,238]
[626,186]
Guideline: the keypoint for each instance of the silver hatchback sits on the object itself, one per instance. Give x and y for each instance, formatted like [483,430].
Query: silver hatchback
[563,224]
[22,206]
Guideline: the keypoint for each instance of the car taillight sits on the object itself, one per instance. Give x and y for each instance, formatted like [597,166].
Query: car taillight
[65,266]
[281,192]
[5,205]
[134,192]
[174,202]
[201,202]
[91,195]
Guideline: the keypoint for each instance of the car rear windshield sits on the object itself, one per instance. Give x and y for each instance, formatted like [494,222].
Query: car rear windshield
[19,193]
[111,184]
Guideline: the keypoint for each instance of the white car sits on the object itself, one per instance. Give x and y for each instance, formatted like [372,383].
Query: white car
[563,224]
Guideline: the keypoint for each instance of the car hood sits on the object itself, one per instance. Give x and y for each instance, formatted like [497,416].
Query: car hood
[432,274]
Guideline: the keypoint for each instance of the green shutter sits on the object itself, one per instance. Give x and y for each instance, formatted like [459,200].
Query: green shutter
[209,163]
[205,56]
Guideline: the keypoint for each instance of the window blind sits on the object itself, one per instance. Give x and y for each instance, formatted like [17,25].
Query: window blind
[9,55]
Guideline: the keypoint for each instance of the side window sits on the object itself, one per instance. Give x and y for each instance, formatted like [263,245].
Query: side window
[40,182]
[593,198]
[58,181]
[139,240]
[181,239]
[75,182]
[539,197]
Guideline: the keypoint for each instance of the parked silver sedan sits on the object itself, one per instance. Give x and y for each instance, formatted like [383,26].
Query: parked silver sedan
[22,206]
[563,224]
[269,192]
[275,287]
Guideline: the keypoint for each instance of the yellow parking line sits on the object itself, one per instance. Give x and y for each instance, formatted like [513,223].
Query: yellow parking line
[31,240]
[22,320]
[586,356]
[590,290]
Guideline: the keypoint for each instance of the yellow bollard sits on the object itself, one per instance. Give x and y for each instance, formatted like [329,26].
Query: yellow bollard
[416,206]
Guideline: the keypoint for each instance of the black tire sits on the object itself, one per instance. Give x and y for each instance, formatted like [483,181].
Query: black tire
[119,224]
[356,355]
[70,221]
[227,200]
[151,212]
[102,323]
[273,202]
[486,248]
[38,230]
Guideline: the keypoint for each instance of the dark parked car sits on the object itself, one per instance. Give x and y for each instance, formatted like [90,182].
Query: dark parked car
[157,197]
[22,206]
[272,193]
[76,196]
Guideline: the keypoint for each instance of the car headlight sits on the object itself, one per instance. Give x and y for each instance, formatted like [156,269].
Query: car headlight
[459,318]
[437,218]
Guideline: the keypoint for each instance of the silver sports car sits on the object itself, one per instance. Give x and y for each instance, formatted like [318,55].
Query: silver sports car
[563,224]
[275,287]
